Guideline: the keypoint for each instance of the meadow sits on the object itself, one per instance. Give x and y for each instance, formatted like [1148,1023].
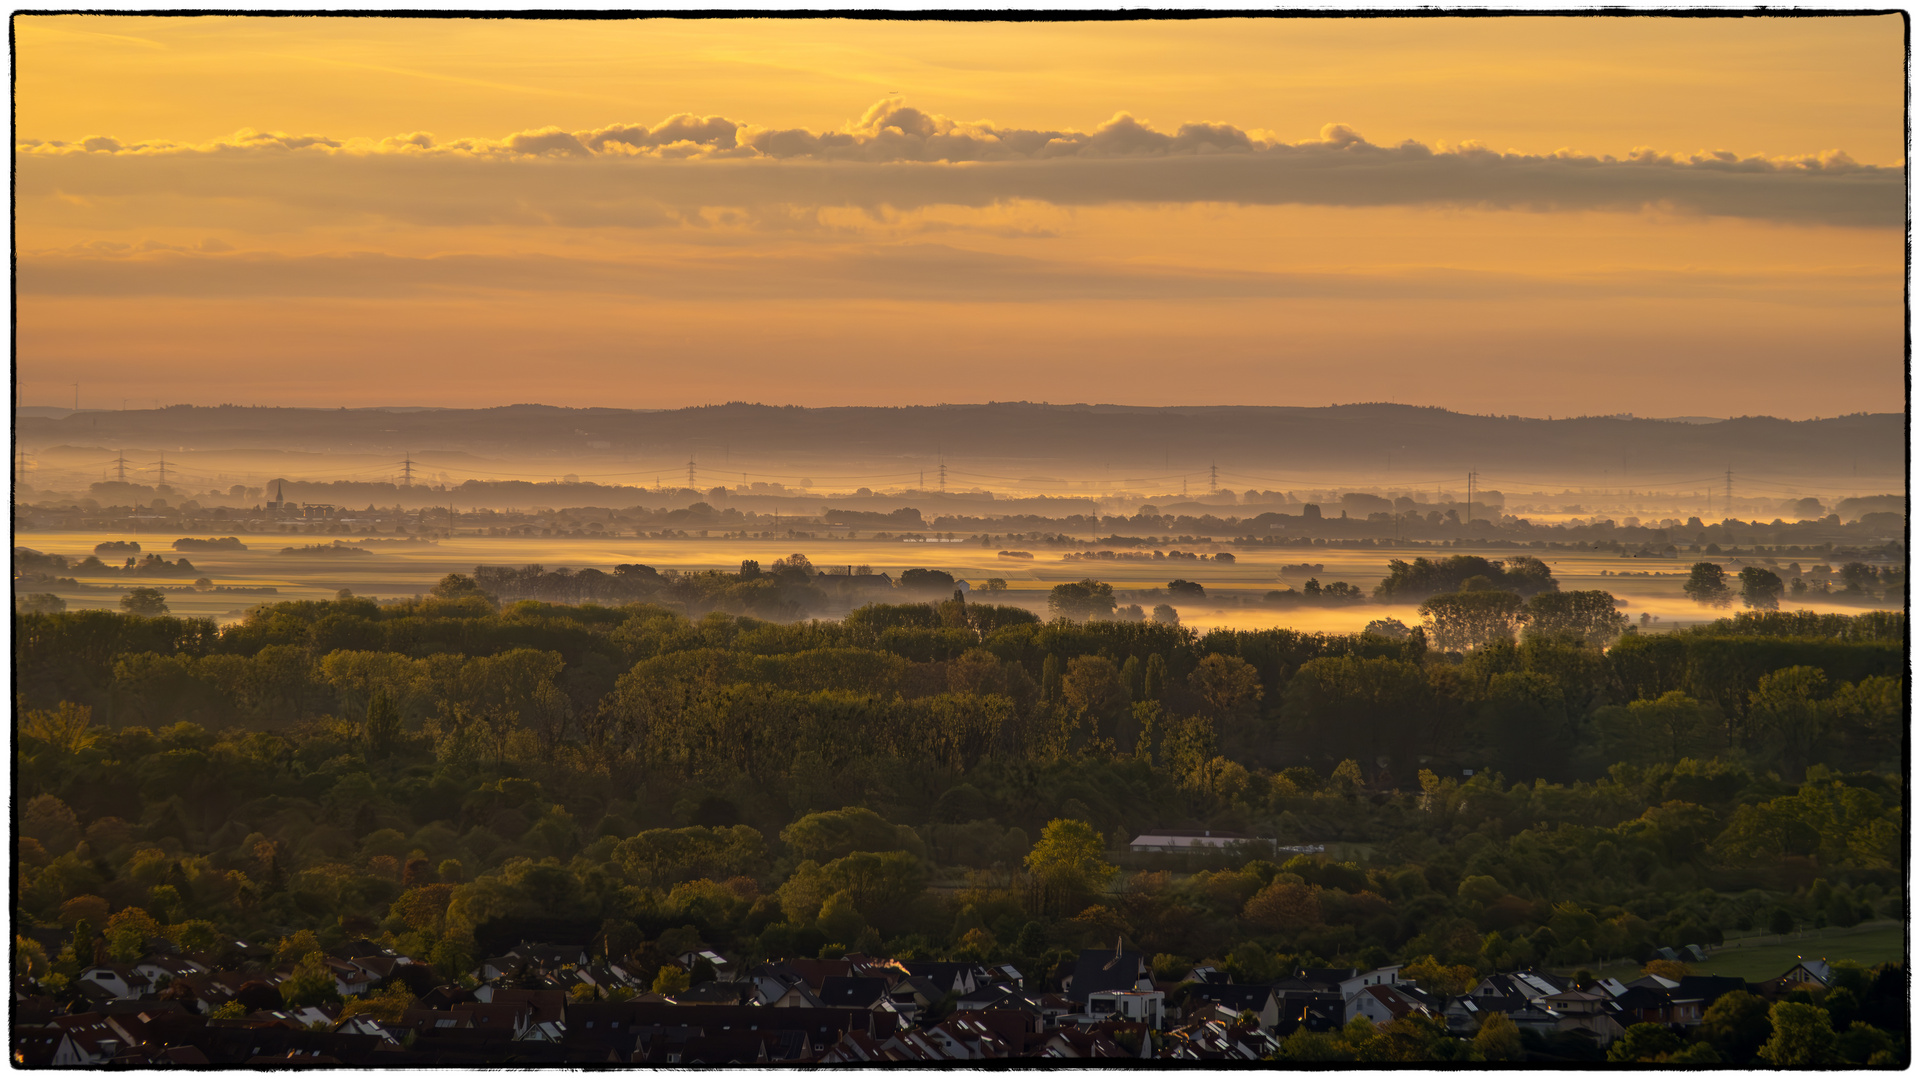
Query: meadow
[395,568]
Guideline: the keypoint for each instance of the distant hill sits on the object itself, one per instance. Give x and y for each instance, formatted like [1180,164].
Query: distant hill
[1384,442]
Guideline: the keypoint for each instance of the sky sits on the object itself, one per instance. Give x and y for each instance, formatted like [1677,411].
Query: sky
[1528,215]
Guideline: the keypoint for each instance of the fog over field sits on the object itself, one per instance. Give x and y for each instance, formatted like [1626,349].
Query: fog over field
[1016,498]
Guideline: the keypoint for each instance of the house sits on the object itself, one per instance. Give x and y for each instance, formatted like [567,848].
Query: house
[1073,1042]
[951,978]
[34,1047]
[118,980]
[1145,1007]
[536,957]
[716,992]
[815,972]
[960,1038]
[849,992]
[1176,841]
[161,1057]
[1217,1040]
[783,991]
[349,978]
[1100,969]
[159,969]
[1813,974]
[1384,1004]
[1579,1010]
[722,967]
[1531,985]
[1232,999]
[1381,976]
[85,1039]
[543,1006]
[913,995]
[860,1048]
[1695,994]
[1312,1009]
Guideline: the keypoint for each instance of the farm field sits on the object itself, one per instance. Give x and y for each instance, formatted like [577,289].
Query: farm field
[395,567]
[1755,959]
[1762,957]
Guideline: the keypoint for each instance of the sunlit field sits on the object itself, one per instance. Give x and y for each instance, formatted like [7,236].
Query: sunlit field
[393,569]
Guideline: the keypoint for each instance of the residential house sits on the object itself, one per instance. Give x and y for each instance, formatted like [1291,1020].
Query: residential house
[1177,841]
[1102,969]
[161,969]
[1580,1010]
[118,980]
[1145,1007]
[1232,999]
[1384,1004]
[1806,974]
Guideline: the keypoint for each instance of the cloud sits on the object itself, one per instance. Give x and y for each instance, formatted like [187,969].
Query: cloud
[925,272]
[900,157]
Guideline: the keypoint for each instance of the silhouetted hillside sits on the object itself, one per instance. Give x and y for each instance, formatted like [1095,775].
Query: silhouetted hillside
[1119,440]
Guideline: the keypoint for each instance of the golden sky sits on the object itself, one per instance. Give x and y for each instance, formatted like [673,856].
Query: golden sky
[1537,215]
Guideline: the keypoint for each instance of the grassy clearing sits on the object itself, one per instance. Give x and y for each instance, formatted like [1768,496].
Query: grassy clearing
[1759,958]
[1756,959]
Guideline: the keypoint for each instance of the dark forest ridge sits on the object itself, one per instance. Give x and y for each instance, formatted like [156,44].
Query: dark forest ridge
[1386,440]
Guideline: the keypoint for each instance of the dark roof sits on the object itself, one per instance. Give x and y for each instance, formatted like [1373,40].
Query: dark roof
[1101,969]
[852,991]
[715,992]
[1000,996]
[1707,988]
[1642,997]
[34,1047]
[945,973]
[1235,996]
[822,1025]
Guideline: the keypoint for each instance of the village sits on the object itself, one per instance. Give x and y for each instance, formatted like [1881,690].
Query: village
[543,1003]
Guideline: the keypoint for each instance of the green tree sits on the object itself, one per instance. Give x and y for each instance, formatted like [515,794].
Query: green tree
[127,934]
[145,601]
[670,980]
[1589,615]
[1803,1037]
[311,983]
[67,727]
[830,834]
[840,919]
[1069,865]
[1155,685]
[1645,1042]
[1498,1038]
[1707,586]
[1227,685]
[1081,600]
[1457,622]
[1662,730]
[383,723]
[1788,718]
[1760,588]
[1091,687]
